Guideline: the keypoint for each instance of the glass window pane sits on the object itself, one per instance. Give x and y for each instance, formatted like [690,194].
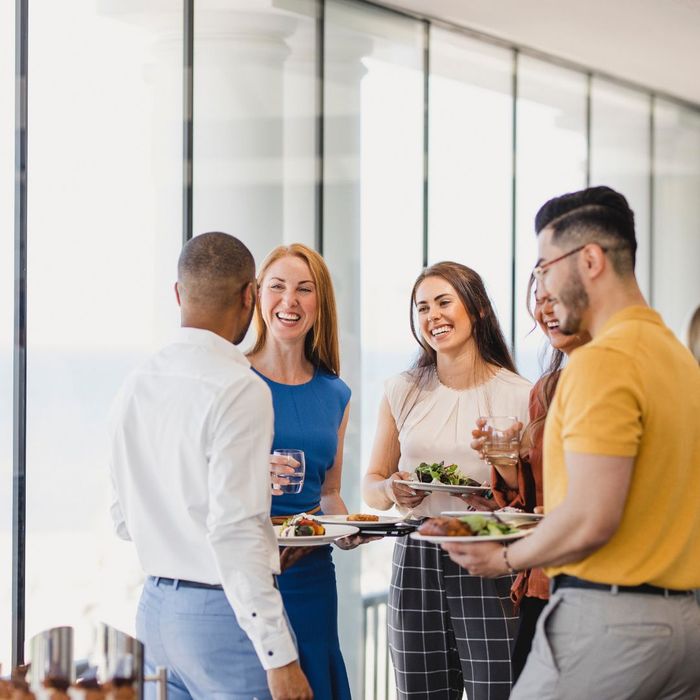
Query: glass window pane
[471,157]
[620,156]
[372,234]
[104,233]
[676,282]
[7,188]
[254,124]
[550,160]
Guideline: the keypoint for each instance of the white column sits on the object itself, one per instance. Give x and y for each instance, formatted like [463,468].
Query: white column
[238,125]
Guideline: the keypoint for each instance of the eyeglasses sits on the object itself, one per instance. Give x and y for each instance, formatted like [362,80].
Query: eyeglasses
[539,271]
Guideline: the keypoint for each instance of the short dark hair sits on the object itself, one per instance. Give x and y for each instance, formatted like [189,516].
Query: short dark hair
[594,215]
[213,267]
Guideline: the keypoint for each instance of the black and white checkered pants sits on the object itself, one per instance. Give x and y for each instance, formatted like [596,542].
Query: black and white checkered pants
[448,631]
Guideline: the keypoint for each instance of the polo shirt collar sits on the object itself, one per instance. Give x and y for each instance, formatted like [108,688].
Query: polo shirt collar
[212,341]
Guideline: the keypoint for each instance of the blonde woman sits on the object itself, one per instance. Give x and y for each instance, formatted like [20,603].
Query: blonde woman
[296,353]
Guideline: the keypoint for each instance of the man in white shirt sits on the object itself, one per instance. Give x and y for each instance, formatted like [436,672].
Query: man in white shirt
[191,432]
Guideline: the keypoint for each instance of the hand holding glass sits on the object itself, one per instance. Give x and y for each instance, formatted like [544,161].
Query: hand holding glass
[501,441]
[285,480]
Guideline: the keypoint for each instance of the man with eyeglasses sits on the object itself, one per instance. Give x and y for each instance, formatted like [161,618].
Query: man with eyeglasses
[621,539]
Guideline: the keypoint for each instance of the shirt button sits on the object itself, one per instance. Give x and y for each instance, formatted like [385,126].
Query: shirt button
[270,653]
[255,614]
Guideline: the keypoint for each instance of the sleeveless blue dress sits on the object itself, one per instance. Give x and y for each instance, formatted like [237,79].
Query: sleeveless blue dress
[308,417]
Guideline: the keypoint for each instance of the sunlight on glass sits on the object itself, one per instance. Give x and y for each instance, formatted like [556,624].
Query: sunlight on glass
[676,281]
[620,130]
[104,221]
[551,160]
[471,153]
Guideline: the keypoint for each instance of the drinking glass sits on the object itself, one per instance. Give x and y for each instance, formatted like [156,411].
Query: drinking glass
[298,463]
[502,442]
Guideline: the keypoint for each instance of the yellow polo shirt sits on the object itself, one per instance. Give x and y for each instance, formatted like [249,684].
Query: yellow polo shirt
[634,391]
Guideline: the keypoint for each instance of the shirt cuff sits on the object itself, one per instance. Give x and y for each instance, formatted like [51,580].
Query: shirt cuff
[277,651]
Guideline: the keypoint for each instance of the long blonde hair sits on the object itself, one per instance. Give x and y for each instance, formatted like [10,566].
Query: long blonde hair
[321,342]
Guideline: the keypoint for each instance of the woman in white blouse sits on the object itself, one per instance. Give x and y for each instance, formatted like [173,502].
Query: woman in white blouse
[448,631]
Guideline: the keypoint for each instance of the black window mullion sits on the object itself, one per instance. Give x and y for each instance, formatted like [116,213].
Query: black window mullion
[187,117]
[426,136]
[514,201]
[320,120]
[19,437]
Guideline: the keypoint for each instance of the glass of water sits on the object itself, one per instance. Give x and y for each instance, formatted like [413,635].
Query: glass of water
[502,442]
[295,481]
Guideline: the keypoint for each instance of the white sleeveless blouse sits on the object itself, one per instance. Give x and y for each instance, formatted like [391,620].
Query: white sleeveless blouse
[436,425]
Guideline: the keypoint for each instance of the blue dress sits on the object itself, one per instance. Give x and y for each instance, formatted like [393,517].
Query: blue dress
[308,417]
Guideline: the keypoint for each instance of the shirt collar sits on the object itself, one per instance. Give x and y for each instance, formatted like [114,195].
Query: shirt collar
[632,313]
[208,339]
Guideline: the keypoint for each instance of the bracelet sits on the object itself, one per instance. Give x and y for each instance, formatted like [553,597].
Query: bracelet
[511,570]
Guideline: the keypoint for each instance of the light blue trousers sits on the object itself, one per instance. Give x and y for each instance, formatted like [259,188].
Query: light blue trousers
[194,633]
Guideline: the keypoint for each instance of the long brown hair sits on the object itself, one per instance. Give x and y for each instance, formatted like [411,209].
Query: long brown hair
[321,342]
[486,331]
[545,388]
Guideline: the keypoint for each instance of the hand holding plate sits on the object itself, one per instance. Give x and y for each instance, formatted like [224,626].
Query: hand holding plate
[353,541]
[291,555]
[399,491]
[476,502]
[479,559]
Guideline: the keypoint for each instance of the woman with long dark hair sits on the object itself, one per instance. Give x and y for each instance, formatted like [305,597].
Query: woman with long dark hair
[448,631]
[521,485]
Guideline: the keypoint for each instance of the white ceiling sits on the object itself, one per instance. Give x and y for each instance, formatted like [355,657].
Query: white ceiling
[655,43]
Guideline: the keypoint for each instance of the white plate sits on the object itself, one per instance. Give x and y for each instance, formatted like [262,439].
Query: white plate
[449,488]
[505,516]
[383,521]
[438,539]
[333,532]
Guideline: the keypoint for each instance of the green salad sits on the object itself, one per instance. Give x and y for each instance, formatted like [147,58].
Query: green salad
[484,526]
[427,473]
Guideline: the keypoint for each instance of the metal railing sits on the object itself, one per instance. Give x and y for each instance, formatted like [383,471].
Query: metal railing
[378,673]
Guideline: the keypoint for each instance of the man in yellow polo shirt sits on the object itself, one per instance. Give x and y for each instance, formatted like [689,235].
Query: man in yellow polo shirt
[621,478]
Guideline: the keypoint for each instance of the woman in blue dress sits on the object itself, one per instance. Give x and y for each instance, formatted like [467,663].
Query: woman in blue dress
[296,353]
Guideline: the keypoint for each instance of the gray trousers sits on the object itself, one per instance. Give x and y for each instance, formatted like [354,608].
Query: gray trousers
[592,644]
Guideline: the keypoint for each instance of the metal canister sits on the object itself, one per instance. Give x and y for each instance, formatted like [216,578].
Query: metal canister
[51,659]
[119,658]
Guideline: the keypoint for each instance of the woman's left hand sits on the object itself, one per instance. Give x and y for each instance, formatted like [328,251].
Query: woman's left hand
[291,555]
[476,502]
[352,541]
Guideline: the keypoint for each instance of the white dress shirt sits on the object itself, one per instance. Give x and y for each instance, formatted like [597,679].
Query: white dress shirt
[191,432]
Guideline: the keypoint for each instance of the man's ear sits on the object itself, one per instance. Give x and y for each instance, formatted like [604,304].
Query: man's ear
[594,260]
[249,296]
[177,293]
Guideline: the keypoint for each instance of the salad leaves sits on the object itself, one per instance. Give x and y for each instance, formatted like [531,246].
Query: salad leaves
[484,527]
[427,473]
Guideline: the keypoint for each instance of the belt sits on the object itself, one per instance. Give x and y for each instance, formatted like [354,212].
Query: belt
[565,581]
[182,583]
[281,519]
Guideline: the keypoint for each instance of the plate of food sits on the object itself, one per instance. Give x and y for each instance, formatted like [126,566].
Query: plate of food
[305,530]
[467,528]
[512,517]
[364,521]
[438,477]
